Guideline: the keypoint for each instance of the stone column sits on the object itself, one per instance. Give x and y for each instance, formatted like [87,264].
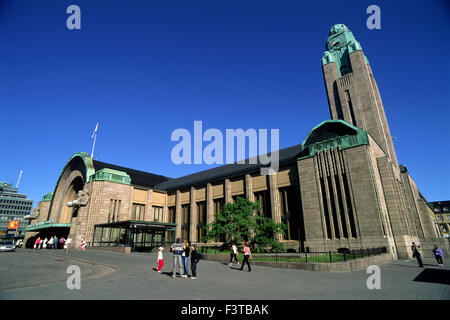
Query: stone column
[193,219]
[209,204]
[339,168]
[275,201]
[178,213]
[249,188]
[165,217]
[334,194]
[227,191]
[148,215]
[322,156]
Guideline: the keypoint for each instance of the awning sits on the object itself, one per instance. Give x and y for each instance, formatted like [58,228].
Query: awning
[46,225]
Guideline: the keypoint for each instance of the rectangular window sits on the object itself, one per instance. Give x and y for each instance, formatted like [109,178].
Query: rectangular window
[157,214]
[118,211]
[185,221]
[172,214]
[111,208]
[201,220]
[264,202]
[218,205]
[138,212]
[290,214]
[350,106]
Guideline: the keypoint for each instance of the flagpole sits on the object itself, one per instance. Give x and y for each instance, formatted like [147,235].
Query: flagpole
[18,181]
[94,135]
[93,146]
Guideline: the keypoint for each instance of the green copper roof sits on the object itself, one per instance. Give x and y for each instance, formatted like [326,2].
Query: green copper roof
[339,45]
[48,197]
[332,133]
[107,174]
[90,170]
[45,225]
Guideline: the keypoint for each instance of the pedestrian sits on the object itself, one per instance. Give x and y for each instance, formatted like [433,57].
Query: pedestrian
[160,258]
[234,254]
[82,245]
[44,244]
[195,258]
[62,241]
[247,256]
[177,251]
[50,243]
[438,255]
[67,244]
[185,258]
[417,254]
[37,243]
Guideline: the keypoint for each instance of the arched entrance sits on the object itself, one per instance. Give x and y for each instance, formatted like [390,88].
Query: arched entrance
[76,185]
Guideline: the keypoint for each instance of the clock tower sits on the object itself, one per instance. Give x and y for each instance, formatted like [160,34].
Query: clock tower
[352,92]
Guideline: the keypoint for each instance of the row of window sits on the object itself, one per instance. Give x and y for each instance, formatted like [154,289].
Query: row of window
[9,218]
[288,206]
[14,212]
[441,218]
[444,209]
[137,213]
[25,202]
[8,206]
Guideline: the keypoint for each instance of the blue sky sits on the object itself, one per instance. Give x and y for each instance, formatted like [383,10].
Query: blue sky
[144,68]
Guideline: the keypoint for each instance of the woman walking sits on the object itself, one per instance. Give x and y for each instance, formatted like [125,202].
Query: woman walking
[185,258]
[247,255]
[234,254]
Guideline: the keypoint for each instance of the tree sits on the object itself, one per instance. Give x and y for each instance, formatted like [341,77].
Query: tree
[233,222]
[265,234]
[236,221]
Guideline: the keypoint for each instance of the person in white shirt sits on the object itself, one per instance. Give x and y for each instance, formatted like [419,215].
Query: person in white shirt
[67,244]
[234,254]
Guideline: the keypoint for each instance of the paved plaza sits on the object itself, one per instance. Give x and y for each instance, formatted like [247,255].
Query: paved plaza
[29,274]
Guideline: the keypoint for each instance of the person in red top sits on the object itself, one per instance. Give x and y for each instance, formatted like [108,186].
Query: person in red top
[247,255]
[37,243]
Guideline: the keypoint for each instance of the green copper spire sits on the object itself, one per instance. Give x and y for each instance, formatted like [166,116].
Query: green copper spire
[339,45]
[48,197]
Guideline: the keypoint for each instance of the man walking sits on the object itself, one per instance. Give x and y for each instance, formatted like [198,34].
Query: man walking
[177,250]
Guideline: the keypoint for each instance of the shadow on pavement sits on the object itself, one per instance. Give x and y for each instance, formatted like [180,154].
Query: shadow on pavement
[434,276]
